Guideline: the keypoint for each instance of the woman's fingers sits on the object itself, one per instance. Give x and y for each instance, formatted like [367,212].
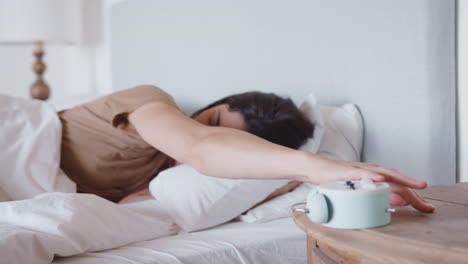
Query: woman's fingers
[401,192]
[358,173]
[396,200]
[412,198]
[400,195]
[393,175]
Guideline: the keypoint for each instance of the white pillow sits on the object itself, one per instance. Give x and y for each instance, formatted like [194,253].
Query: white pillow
[30,138]
[311,110]
[195,201]
[344,133]
[338,134]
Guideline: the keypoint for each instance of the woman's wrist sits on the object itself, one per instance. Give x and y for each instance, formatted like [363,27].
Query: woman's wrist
[307,164]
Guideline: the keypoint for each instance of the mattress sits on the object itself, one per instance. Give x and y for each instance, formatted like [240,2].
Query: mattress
[278,241]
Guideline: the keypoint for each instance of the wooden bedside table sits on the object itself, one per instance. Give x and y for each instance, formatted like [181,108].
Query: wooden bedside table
[412,237]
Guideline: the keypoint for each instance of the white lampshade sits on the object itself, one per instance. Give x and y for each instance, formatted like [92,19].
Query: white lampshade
[49,21]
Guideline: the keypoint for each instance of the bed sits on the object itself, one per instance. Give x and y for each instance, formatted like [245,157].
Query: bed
[278,241]
[395,60]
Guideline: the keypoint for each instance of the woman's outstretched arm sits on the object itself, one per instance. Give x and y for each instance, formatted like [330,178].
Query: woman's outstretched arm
[232,153]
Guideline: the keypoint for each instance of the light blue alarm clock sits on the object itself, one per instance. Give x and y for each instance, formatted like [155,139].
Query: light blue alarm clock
[350,204]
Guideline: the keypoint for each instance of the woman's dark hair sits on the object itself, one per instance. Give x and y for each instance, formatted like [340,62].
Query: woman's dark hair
[270,117]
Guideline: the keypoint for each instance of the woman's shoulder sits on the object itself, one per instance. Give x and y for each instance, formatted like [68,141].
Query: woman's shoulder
[143,92]
[134,97]
[143,88]
[120,103]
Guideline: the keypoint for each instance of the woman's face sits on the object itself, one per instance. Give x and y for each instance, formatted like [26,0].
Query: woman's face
[220,115]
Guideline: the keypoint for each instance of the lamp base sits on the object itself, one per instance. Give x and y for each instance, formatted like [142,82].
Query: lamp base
[40,90]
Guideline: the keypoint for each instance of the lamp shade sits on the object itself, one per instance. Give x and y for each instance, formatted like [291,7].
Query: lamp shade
[49,21]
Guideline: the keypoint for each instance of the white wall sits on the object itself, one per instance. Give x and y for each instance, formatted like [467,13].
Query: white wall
[463,90]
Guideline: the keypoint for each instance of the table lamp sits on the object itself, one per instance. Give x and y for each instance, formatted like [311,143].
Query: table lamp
[40,22]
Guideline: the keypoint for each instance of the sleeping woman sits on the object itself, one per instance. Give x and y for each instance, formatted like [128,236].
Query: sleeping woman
[114,146]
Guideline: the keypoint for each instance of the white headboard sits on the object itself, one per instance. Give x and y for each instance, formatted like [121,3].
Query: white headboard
[394,59]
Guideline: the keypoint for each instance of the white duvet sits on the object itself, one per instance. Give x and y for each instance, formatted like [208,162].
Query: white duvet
[66,224]
[46,221]
[30,136]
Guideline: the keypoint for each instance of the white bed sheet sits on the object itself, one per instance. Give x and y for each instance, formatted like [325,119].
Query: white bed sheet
[278,241]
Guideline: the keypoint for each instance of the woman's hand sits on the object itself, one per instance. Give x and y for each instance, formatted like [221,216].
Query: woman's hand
[400,185]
